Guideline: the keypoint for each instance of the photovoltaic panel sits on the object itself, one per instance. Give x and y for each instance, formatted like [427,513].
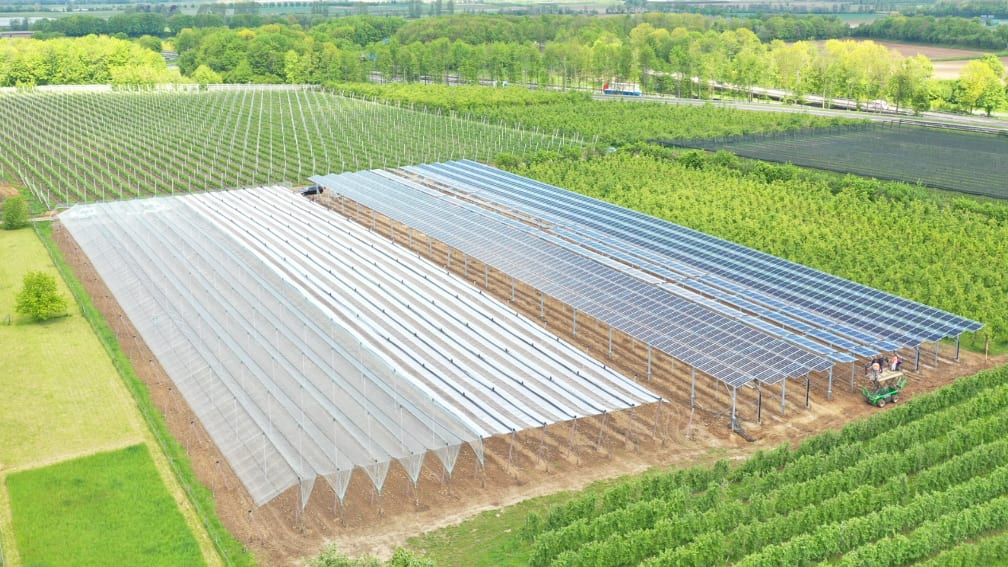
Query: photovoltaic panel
[874,318]
[714,343]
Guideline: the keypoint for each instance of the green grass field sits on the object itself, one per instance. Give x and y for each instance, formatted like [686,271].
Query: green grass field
[104,509]
[61,396]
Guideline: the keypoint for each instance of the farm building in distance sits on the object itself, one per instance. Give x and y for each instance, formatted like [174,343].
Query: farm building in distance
[312,344]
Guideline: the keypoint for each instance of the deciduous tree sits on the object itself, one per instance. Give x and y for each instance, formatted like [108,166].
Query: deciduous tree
[39,298]
[15,213]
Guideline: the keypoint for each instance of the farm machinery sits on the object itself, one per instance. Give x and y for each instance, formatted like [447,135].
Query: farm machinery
[884,388]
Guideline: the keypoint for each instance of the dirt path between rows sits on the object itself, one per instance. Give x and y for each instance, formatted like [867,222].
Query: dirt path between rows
[560,457]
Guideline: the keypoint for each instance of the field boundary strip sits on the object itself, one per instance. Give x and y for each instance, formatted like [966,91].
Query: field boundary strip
[56,459]
[127,374]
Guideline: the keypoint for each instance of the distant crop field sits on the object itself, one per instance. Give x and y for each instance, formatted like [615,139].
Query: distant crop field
[69,147]
[944,159]
[104,509]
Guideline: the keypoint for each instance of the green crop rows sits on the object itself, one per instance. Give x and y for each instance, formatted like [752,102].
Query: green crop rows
[85,146]
[895,489]
[945,159]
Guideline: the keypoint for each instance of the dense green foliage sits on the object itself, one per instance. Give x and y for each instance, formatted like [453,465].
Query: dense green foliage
[899,487]
[72,147]
[967,9]
[964,32]
[112,509]
[462,98]
[202,499]
[39,298]
[681,54]
[945,253]
[87,60]
[946,159]
[600,122]
[15,213]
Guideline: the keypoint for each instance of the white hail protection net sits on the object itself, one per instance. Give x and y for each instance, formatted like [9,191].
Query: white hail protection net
[309,348]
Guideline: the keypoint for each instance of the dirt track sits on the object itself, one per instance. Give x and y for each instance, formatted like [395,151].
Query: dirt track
[561,457]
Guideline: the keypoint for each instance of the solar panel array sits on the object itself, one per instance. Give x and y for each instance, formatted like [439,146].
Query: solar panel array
[735,313]
[809,300]
[309,347]
[692,331]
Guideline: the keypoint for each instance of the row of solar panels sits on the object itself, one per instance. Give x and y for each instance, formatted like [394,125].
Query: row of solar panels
[851,316]
[632,257]
[715,343]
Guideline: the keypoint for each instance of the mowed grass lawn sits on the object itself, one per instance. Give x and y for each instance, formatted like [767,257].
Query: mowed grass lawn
[60,399]
[61,394]
[104,509]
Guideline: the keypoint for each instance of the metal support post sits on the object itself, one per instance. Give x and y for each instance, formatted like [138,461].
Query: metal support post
[852,375]
[542,306]
[759,403]
[649,363]
[574,322]
[486,276]
[449,258]
[916,358]
[937,346]
[465,270]
[808,384]
[829,387]
[783,394]
[734,417]
[957,349]
[512,289]
[692,389]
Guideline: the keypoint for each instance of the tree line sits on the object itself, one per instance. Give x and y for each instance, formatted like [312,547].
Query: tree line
[687,55]
[952,31]
[87,60]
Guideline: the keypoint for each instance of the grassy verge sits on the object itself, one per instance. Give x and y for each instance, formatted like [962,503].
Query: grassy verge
[488,539]
[230,549]
[51,410]
[104,509]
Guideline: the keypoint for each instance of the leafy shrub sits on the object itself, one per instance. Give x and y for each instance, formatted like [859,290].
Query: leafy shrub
[39,298]
[773,172]
[15,213]
[693,159]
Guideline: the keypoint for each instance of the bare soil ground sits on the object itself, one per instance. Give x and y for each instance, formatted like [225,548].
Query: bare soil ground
[939,56]
[564,456]
[7,191]
[930,51]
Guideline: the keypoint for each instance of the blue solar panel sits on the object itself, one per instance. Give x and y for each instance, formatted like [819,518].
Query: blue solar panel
[705,338]
[879,320]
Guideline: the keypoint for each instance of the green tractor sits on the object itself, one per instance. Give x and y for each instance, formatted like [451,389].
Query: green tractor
[885,388]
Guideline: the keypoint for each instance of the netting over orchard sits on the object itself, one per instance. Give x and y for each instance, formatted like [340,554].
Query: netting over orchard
[309,347]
